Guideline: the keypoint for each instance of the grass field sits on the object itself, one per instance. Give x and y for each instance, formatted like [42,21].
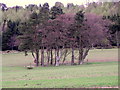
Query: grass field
[95,55]
[93,74]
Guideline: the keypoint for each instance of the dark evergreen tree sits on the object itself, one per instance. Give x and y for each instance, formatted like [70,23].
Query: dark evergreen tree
[12,30]
[114,30]
[55,11]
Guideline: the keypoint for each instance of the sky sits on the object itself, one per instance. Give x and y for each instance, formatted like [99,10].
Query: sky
[11,3]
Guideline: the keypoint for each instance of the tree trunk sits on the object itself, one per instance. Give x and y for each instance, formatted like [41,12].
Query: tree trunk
[48,57]
[84,55]
[80,56]
[57,58]
[80,51]
[72,59]
[51,58]
[117,38]
[37,57]
[42,56]
[65,55]
[33,56]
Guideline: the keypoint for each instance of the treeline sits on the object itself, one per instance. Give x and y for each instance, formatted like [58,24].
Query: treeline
[19,13]
[43,30]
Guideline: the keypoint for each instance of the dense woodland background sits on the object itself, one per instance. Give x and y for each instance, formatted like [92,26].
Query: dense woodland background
[96,25]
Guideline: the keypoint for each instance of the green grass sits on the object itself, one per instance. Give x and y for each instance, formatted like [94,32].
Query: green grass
[92,74]
[65,83]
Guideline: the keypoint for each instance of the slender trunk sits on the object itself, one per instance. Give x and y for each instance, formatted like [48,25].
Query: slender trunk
[48,57]
[37,57]
[51,58]
[80,51]
[33,56]
[117,39]
[80,56]
[65,55]
[86,53]
[42,56]
[57,58]
[72,60]
[61,54]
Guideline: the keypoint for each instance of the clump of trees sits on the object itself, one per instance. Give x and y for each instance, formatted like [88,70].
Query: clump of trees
[51,34]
